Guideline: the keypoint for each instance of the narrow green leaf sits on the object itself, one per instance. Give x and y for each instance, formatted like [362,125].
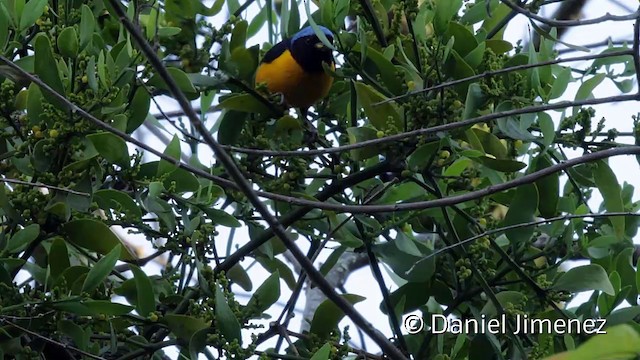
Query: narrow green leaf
[266,295]
[585,91]
[173,150]
[610,189]
[101,270]
[225,320]
[58,258]
[322,353]
[521,210]
[146,302]
[46,68]
[21,239]
[328,315]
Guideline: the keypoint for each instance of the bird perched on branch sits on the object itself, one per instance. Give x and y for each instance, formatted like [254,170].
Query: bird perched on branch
[293,68]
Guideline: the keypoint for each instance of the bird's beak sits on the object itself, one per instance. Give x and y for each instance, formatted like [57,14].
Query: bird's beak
[321,46]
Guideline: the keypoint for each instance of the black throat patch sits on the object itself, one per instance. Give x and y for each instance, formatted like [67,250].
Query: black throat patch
[308,56]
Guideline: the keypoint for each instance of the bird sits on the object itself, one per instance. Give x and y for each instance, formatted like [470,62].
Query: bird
[293,68]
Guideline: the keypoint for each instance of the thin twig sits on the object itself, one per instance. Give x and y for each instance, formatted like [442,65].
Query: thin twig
[39,184]
[567,23]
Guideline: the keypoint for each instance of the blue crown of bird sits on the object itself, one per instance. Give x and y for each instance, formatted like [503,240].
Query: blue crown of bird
[293,68]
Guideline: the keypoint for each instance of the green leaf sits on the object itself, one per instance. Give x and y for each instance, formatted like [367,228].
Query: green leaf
[33,9]
[101,270]
[75,332]
[585,91]
[145,298]
[231,124]
[464,41]
[45,67]
[87,25]
[244,103]
[111,147]
[322,353]
[225,320]
[444,12]
[274,264]
[95,236]
[181,79]
[548,187]
[584,278]
[183,326]
[58,258]
[181,181]
[521,210]
[266,295]
[198,341]
[379,115]
[138,108]
[475,99]
[34,104]
[494,18]
[328,315]
[221,217]
[172,150]
[108,199]
[107,307]
[421,156]
[21,239]
[238,275]
[68,42]
[620,342]
[610,189]
[547,127]
[239,35]
[499,46]
[502,165]
[360,134]
[561,82]
[376,65]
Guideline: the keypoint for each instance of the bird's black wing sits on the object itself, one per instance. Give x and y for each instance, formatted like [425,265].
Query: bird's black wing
[276,51]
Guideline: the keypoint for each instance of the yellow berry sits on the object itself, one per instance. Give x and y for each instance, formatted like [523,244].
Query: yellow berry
[380,134]
[35,128]
[444,154]
[482,222]
[53,133]
[153,317]
[46,9]
[38,134]
[85,79]
[411,85]
[518,143]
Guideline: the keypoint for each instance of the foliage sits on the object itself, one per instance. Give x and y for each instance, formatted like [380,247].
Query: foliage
[446,168]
